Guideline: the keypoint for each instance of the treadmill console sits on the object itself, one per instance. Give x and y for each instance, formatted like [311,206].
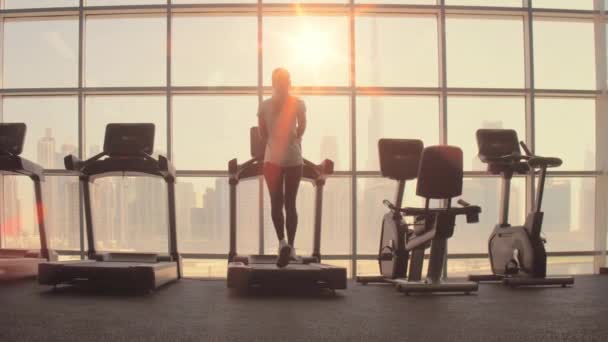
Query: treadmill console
[12,136]
[129,139]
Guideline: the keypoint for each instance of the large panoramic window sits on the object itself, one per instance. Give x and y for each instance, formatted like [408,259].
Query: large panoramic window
[214,51]
[50,59]
[200,136]
[561,63]
[125,51]
[468,114]
[485,52]
[366,69]
[394,51]
[314,49]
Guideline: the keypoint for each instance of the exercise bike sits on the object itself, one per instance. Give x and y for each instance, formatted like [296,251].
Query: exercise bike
[399,161]
[439,173]
[517,253]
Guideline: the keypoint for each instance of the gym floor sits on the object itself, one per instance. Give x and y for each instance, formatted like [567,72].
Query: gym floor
[203,310]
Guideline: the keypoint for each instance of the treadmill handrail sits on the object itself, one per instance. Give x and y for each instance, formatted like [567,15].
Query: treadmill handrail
[97,166]
[16,164]
[254,168]
[19,165]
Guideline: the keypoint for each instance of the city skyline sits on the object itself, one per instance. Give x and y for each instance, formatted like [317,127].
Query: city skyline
[123,222]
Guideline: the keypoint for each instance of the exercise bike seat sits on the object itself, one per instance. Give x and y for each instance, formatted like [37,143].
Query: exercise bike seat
[540,162]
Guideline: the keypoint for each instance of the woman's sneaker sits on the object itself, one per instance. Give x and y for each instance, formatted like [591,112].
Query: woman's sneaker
[284,254]
[292,255]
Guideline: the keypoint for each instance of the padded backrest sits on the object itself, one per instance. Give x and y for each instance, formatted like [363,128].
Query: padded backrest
[400,158]
[493,143]
[129,139]
[258,145]
[440,174]
[12,136]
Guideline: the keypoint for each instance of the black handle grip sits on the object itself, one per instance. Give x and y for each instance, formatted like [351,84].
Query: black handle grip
[389,205]
[463,203]
[525,148]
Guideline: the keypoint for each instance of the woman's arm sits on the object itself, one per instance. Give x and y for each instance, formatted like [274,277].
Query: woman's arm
[301,115]
[262,129]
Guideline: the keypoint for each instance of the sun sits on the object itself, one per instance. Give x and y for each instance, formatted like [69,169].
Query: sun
[309,47]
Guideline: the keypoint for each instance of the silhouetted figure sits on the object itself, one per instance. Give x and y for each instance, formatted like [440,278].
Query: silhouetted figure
[282,122]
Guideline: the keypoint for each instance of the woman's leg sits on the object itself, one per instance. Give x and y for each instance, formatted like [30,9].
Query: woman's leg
[273,174]
[293,175]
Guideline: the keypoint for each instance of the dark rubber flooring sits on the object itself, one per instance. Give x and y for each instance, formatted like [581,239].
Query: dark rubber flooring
[202,310]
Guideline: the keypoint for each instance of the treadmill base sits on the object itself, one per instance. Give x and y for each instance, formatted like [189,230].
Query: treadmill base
[108,274]
[428,287]
[243,276]
[19,268]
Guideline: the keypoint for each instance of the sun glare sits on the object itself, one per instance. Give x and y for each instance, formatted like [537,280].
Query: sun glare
[309,47]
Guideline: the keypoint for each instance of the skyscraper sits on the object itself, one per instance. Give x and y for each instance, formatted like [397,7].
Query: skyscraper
[46,150]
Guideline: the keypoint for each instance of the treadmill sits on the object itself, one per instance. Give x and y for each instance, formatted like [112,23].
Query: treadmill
[127,151]
[22,263]
[251,271]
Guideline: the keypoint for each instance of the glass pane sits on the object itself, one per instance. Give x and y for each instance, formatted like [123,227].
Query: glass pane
[336,222]
[307,1]
[125,51]
[203,213]
[404,117]
[50,57]
[313,49]
[18,221]
[468,114]
[205,268]
[564,55]
[407,2]
[130,214]
[502,3]
[328,130]
[485,192]
[124,2]
[102,110]
[569,221]
[199,131]
[214,51]
[62,202]
[13,4]
[556,120]
[396,51]
[565,4]
[52,127]
[19,227]
[182,2]
[485,52]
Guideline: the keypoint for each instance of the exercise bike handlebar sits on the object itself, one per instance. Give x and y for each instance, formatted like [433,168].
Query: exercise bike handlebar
[538,162]
[471,211]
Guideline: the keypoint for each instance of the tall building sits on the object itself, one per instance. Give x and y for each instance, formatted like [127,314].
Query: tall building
[186,198]
[557,202]
[11,211]
[63,210]
[46,150]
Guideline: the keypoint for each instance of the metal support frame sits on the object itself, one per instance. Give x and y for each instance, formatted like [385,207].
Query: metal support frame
[601,123]
[351,10]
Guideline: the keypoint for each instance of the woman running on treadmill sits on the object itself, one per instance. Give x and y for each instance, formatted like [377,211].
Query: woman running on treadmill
[282,122]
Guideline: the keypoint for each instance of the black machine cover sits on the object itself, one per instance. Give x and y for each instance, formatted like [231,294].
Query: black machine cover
[12,136]
[129,139]
[440,175]
[399,158]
